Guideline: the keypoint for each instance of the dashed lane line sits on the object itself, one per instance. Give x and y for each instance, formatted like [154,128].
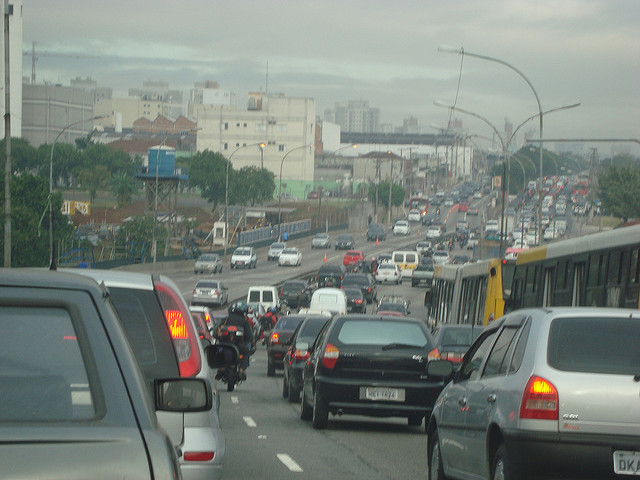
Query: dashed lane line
[289,462]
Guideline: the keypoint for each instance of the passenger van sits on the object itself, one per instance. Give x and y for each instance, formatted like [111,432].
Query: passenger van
[406,260]
[266,295]
[332,300]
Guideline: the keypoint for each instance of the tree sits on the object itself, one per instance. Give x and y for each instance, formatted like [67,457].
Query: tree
[140,229]
[252,185]
[123,186]
[93,179]
[619,190]
[397,194]
[207,172]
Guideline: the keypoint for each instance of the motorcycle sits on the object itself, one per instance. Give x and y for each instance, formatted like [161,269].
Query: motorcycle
[233,336]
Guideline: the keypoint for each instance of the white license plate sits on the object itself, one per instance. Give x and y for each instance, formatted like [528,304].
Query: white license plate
[382,393]
[626,463]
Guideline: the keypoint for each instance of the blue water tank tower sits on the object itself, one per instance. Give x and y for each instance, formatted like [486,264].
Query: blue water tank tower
[162,157]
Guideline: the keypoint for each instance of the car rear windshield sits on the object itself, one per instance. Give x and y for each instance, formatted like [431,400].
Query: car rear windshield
[289,322]
[293,286]
[206,284]
[355,280]
[208,258]
[459,336]
[380,332]
[595,345]
[312,327]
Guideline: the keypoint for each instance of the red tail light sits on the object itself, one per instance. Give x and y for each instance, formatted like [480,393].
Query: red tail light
[539,400]
[275,338]
[282,293]
[433,355]
[369,289]
[330,356]
[198,456]
[300,354]
[358,301]
[181,329]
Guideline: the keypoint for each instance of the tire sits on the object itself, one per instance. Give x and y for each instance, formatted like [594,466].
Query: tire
[231,380]
[285,387]
[293,396]
[501,465]
[435,470]
[271,369]
[415,420]
[320,415]
[306,412]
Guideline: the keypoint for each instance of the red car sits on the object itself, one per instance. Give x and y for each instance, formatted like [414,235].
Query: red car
[352,257]
[463,206]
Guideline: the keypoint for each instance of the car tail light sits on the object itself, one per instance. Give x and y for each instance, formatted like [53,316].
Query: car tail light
[198,456]
[275,338]
[181,329]
[433,355]
[330,356]
[539,400]
[281,293]
[300,354]
[358,301]
[369,289]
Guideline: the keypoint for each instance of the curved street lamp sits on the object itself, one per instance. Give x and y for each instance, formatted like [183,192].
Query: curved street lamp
[280,187]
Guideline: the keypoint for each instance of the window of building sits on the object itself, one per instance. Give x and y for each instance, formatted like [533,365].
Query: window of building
[261,127]
[281,148]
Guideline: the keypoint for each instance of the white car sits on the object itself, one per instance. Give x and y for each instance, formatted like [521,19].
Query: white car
[550,233]
[388,272]
[423,247]
[434,231]
[413,215]
[401,228]
[244,257]
[290,256]
[321,240]
[275,250]
[440,257]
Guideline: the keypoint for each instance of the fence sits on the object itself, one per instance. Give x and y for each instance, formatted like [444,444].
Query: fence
[263,234]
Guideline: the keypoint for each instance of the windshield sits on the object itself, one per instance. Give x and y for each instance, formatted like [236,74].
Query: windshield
[382,332]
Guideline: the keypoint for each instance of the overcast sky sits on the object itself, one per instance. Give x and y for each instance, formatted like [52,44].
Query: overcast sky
[381,51]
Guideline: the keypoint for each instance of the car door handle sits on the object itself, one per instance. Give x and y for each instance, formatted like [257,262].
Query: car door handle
[462,401]
[491,398]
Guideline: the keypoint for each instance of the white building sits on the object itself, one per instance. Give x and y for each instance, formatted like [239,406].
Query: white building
[286,125]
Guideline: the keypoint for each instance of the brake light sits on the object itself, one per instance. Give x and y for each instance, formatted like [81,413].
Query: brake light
[282,293]
[198,456]
[433,355]
[369,289]
[181,329]
[275,338]
[330,356]
[539,400]
[300,354]
[358,301]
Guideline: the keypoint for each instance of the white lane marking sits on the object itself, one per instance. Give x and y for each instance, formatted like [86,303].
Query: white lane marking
[234,400]
[289,462]
[249,421]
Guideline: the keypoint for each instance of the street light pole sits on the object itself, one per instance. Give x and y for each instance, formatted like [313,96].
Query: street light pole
[280,187]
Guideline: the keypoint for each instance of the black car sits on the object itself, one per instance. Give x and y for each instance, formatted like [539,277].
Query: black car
[452,341]
[278,339]
[345,242]
[376,232]
[331,276]
[295,293]
[355,300]
[371,365]
[365,282]
[298,353]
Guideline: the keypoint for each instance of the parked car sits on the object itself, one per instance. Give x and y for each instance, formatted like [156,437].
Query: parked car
[290,256]
[321,240]
[422,275]
[452,341]
[356,303]
[547,391]
[275,249]
[278,340]
[352,257]
[366,283]
[297,354]
[330,275]
[295,293]
[74,403]
[370,365]
[401,227]
[345,242]
[388,272]
[159,327]
[244,257]
[208,263]
[375,232]
[210,292]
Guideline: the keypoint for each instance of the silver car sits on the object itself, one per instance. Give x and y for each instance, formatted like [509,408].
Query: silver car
[210,292]
[208,263]
[321,240]
[275,250]
[544,393]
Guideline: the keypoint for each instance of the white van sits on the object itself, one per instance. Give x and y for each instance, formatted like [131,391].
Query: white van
[266,295]
[328,299]
[406,260]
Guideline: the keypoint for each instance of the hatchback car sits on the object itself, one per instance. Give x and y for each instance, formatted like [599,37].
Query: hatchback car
[321,240]
[275,249]
[210,292]
[295,293]
[352,257]
[370,365]
[391,309]
[278,340]
[388,272]
[244,257]
[365,282]
[452,341]
[356,303]
[208,263]
[290,256]
[345,242]
[422,275]
[544,393]
[375,233]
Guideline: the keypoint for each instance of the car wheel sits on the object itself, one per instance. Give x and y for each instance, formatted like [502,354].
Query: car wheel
[320,416]
[414,420]
[293,395]
[271,369]
[500,466]
[306,411]
[435,468]
[231,380]
[285,386]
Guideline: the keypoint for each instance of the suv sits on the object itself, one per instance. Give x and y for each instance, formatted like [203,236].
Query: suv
[547,391]
[244,257]
[156,320]
[73,398]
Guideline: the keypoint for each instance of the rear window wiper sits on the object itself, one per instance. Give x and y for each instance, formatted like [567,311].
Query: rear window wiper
[393,346]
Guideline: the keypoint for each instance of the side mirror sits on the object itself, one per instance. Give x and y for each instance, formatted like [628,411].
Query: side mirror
[439,368]
[427,298]
[222,355]
[183,395]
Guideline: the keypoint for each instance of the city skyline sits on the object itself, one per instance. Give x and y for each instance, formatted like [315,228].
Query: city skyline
[383,53]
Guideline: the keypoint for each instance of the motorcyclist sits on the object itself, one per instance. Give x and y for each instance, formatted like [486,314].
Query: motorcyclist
[270,318]
[374,265]
[237,318]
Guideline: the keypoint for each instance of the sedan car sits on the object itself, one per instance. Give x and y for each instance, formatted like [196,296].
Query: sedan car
[422,275]
[388,272]
[275,249]
[370,365]
[441,257]
[435,231]
[352,257]
[424,247]
[391,309]
[210,292]
[401,227]
[414,215]
[321,240]
[244,257]
[298,352]
[544,393]
[376,233]
[290,256]
[345,242]
[356,302]
[366,283]
[208,263]
[278,340]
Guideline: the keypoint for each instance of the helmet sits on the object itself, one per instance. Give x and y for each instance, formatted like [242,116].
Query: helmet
[272,309]
[238,307]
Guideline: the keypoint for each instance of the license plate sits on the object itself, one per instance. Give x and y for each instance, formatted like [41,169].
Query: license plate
[626,463]
[381,393]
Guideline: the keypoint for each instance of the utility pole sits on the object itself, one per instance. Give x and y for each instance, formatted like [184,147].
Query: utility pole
[7,139]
